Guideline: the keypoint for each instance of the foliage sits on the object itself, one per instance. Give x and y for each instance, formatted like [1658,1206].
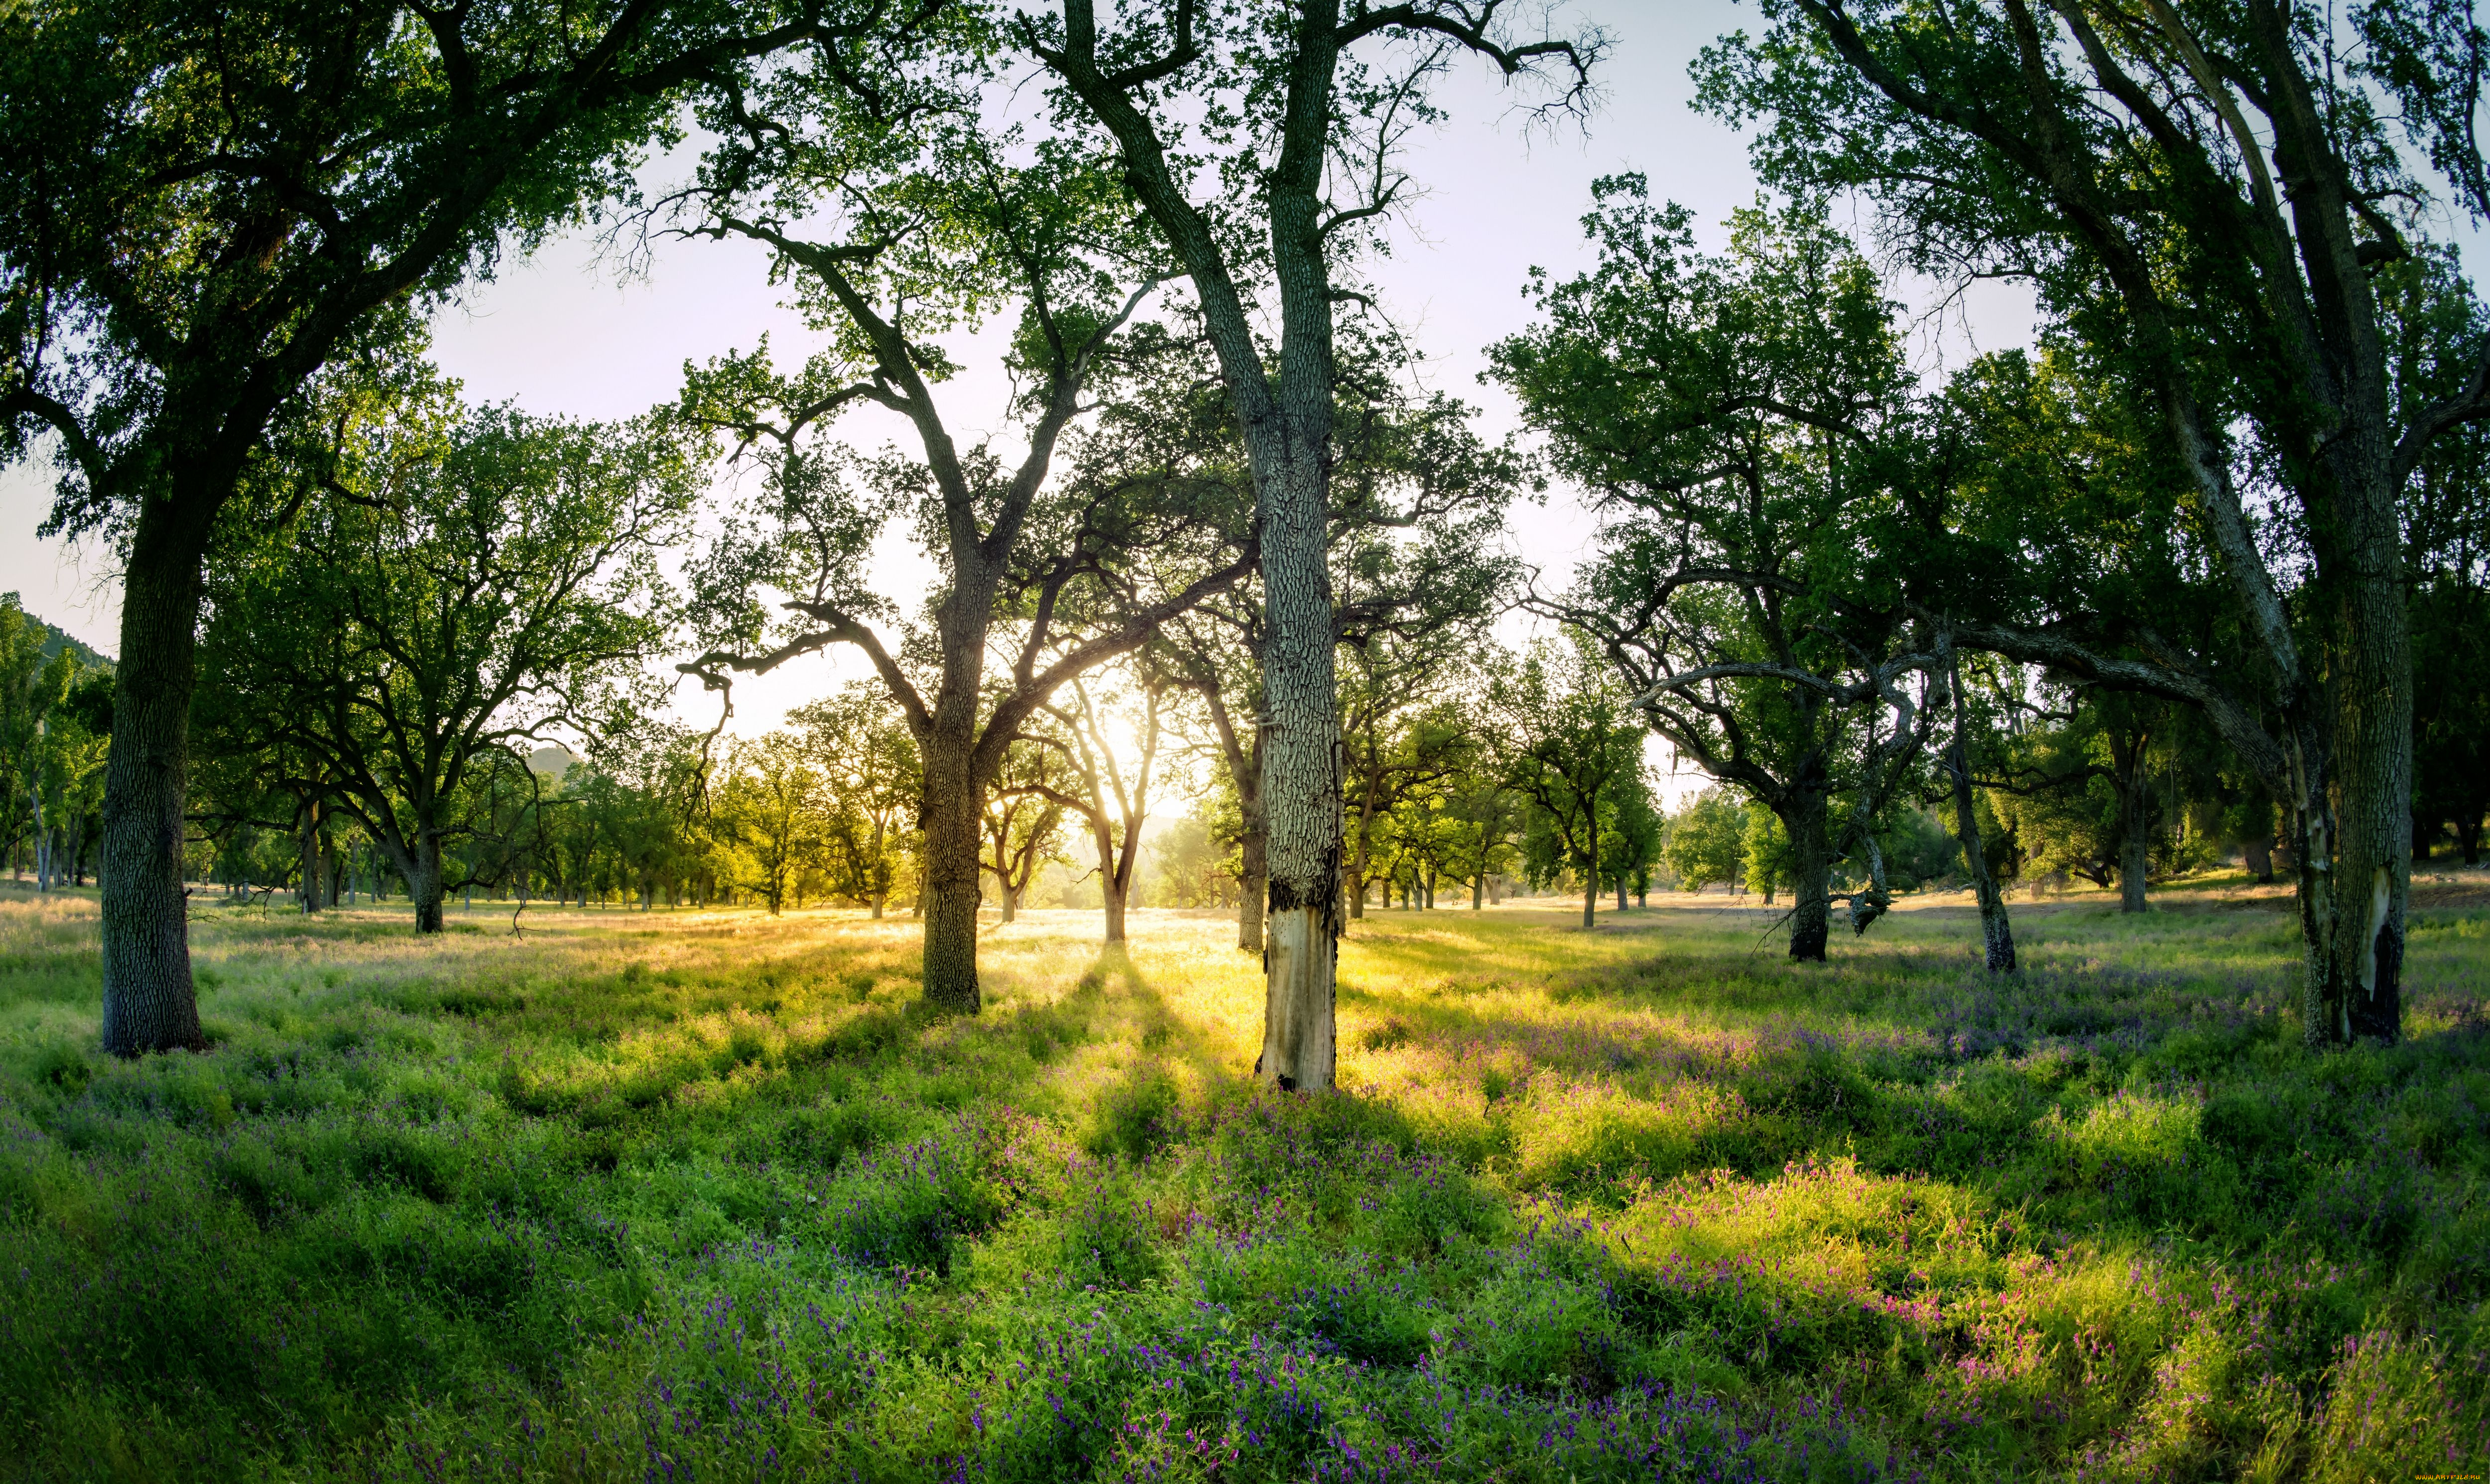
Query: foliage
[486,579]
[1707,840]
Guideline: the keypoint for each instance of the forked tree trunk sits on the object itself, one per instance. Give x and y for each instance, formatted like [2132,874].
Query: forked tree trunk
[1996,932]
[149,1002]
[2135,845]
[1810,850]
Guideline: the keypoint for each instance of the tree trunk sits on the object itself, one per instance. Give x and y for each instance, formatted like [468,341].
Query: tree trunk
[1010,894]
[1112,891]
[1621,893]
[1358,863]
[315,867]
[952,877]
[2373,760]
[881,869]
[2468,837]
[1478,890]
[1810,851]
[149,1002]
[423,873]
[2135,845]
[1996,932]
[1300,746]
[2256,852]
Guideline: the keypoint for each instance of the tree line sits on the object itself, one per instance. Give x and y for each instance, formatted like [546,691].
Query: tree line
[2221,520]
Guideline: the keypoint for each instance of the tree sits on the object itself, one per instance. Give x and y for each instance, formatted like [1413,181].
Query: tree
[869,772]
[1572,743]
[1024,823]
[1484,816]
[1401,736]
[1996,930]
[1192,101]
[26,700]
[1112,793]
[1707,840]
[2224,270]
[1734,419]
[296,181]
[924,226]
[480,582]
[1417,507]
[647,782]
[770,809]
[1190,870]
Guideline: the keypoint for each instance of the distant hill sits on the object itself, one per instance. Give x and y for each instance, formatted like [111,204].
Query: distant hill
[55,641]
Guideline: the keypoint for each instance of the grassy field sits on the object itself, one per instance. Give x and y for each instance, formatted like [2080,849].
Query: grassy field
[704,1197]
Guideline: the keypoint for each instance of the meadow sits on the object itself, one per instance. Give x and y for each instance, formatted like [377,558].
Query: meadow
[704,1196]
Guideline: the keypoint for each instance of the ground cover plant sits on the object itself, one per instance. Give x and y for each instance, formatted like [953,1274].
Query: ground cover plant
[707,1195]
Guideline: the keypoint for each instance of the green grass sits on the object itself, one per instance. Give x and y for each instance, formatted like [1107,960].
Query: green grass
[706,1196]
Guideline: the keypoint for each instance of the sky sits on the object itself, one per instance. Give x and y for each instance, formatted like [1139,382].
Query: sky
[564,333]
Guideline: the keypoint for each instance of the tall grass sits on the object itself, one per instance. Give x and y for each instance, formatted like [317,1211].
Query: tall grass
[706,1196]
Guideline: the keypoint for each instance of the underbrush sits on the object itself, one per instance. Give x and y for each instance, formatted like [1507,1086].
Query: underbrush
[708,1196]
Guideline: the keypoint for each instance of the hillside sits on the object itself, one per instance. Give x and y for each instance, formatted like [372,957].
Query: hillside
[56,639]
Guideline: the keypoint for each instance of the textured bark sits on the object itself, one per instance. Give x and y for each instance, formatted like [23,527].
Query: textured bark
[2372,757]
[1478,890]
[1300,753]
[149,1002]
[421,867]
[1807,822]
[315,866]
[2256,852]
[1621,893]
[2136,849]
[951,817]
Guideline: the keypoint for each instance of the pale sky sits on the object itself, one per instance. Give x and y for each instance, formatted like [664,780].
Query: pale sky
[559,333]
